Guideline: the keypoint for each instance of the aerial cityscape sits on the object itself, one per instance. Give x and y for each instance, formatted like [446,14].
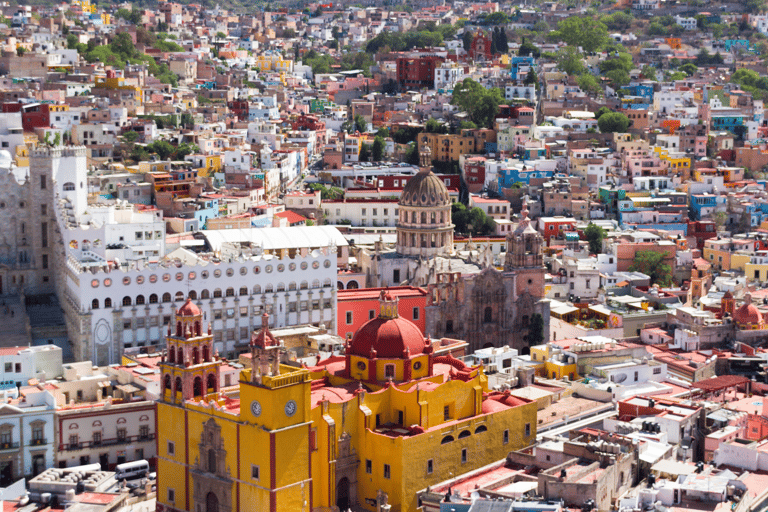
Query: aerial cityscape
[417,256]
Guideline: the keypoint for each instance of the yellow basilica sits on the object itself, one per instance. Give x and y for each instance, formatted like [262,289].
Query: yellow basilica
[368,429]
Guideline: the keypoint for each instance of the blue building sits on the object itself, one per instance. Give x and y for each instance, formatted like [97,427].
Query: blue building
[510,176]
[727,122]
[520,66]
[704,204]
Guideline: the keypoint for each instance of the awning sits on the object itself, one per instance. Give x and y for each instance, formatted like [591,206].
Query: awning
[104,384]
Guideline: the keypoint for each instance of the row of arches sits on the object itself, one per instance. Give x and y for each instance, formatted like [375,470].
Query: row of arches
[195,355]
[197,385]
[141,300]
[431,217]
[464,433]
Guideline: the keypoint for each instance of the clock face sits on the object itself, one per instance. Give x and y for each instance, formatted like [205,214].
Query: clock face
[256,408]
[290,408]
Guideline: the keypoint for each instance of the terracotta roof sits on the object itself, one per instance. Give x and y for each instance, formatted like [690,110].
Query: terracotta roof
[722,382]
[291,217]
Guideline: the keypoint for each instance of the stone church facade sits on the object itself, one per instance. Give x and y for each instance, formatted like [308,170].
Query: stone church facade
[469,298]
[494,307]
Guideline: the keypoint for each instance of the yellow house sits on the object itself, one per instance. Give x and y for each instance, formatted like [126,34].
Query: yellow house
[446,147]
[372,427]
[553,362]
[676,162]
[113,82]
[273,63]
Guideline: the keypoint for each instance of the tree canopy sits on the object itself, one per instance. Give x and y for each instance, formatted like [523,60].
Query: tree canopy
[480,103]
[594,235]
[586,32]
[613,122]
[472,221]
[652,264]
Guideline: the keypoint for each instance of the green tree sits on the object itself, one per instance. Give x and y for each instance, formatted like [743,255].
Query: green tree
[613,122]
[185,149]
[162,148]
[528,49]
[377,150]
[434,126]
[651,263]
[531,78]
[601,111]
[589,84]
[365,153]
[569,61]
[480,103]
[412,154]
[502,45]
[130,136]
[594,235]
[618,77]
[466,40]
[20,51]
[585,32]
[361,125]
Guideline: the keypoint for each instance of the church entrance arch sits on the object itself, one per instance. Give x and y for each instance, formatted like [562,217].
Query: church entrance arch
[342,494]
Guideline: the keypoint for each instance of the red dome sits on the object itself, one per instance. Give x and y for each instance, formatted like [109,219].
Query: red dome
[389,337]
[189,309]
[748,314]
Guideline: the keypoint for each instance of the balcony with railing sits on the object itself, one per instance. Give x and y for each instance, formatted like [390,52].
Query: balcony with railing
[81,445]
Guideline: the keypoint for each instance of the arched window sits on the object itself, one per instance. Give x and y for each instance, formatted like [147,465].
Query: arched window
[488,315]
[178,381]
[481,428]
[172,355]
[414,218]
[167,382]
[304,285]
[464,433]
[198,329]
[153,298]
[339,285]
[230,292]
[292,286]
[447,439]
[423,217]
[166,297]
[268,289]
[179,296]
[211,383]
[316,284]
[95,304]
[281,287]
[217,293]
[197,388]
[211,503]
[256,289]
[139,300]
[432,218]
[352,285]
[193,294]
[205,294]
[243,290]
[69,186]
[126,301]
[206,354]
[195,356]
[107,303]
